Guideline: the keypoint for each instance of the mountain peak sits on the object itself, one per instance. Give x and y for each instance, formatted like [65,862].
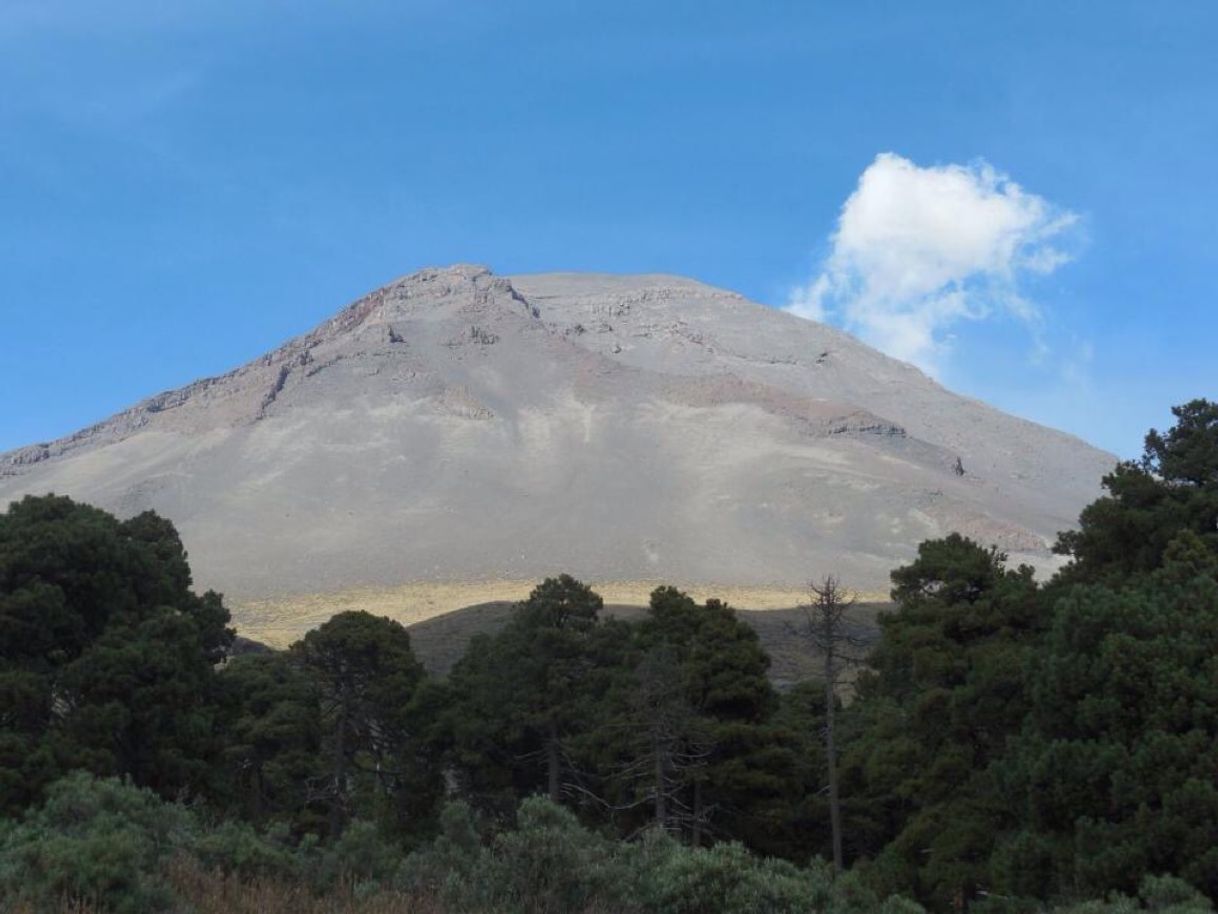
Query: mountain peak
[440,279]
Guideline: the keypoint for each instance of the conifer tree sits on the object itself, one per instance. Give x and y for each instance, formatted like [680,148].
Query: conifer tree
[366,675]
[106,654]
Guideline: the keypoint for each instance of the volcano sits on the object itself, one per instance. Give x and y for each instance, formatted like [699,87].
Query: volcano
[460,428]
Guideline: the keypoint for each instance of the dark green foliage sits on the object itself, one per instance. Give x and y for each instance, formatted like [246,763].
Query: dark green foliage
[522,701]
[366,677]
[1116,768]
[658,743]
[111,844]
[668,720]
[550,863]
[171,585]
[236,847]
[482,733]
[272,740]
[1162,894]
[796,824]
[1173,488]
[99,840]
[693,747]
[123,849]
[106,655]
[722,663]
[448,867]
[1187,454]
[945,692]
[140,702]
[1114,773]
[1055,742]
[727,878]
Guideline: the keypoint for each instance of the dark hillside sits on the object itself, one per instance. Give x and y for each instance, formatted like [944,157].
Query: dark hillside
[440,642]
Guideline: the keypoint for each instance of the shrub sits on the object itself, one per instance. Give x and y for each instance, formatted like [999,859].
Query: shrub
[450,866]
[727,879]
[897,904]
[1161,894]
[236,848]
[550,864]
[360,857]
[96,839]
[1167,893]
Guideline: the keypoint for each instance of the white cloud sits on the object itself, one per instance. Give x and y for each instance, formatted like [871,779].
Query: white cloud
[919,250]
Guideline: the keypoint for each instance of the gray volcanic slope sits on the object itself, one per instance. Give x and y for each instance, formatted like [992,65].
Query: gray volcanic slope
[458,426]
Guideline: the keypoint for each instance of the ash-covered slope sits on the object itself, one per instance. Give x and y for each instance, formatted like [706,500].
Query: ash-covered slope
[458,426]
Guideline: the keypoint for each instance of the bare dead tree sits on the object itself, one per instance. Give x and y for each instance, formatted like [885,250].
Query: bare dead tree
[675,739]
[667,743]
[663,749]
[828,627]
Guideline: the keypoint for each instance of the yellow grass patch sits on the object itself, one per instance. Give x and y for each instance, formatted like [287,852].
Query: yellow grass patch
[281,620]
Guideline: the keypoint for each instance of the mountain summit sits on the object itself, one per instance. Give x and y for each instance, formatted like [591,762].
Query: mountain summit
[461,426]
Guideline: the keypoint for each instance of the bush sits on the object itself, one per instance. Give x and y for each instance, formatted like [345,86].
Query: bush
[550,864]
[451,866]
[1160,894]
[897,904]
[360,857]
[236,848]
[99,840]
[1167,893]
[121,849]
[727,879]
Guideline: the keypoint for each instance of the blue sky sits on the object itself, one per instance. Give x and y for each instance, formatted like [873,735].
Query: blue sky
[185,185]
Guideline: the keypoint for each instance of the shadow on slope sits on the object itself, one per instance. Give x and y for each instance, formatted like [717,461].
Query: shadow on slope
[439,642]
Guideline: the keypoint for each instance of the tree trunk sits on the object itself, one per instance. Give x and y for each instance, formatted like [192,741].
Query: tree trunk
[256,800]
[835,810]
[339,802]
[554,766]
[696,836]
[660,805]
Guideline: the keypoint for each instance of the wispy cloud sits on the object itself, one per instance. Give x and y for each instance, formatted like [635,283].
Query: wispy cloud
[919,250]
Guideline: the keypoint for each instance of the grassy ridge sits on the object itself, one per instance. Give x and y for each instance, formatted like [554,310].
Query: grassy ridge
[280,621]
[439,642]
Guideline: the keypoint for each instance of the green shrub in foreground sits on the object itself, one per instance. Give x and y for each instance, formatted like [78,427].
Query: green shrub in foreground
[550,863]
[726,878]
[95,839]
[111,844]
[1159,894]
[237,848]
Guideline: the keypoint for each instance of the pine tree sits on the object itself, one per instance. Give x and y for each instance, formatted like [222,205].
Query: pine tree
[366,675]
[106,655]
